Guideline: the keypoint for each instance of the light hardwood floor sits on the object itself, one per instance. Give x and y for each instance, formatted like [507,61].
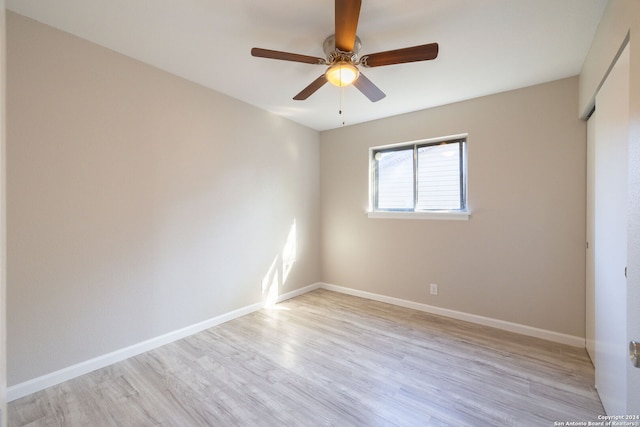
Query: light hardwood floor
[328,359]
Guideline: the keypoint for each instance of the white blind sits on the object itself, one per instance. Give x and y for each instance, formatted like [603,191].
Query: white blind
[439,177]
[395,181]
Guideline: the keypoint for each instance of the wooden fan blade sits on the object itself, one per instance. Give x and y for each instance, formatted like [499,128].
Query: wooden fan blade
[286,56]
[347,14]
[369,89]
[423,52]
[311,89]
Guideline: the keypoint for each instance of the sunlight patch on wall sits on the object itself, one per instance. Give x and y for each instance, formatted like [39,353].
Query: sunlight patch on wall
[270,284]
[280,268]
[289,252]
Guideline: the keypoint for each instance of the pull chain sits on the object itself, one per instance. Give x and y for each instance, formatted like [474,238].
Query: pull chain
[341,104]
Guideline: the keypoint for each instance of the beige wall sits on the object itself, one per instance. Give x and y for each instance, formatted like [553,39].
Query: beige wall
[139,203]
[521,256]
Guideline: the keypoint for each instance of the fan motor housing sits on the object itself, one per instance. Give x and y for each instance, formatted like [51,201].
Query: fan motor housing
[333,54]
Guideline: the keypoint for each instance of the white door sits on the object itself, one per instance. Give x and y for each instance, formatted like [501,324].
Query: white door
[3,307]
[610,237]
[590,326]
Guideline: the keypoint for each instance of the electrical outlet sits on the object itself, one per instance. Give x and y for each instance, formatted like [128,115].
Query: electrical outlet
[433,289]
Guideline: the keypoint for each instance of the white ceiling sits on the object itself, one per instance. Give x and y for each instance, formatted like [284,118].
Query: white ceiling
[486,46]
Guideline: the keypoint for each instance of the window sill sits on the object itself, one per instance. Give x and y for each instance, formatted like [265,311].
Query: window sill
[446,215]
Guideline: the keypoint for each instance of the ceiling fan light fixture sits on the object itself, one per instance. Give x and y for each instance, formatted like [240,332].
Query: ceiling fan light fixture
[342,73]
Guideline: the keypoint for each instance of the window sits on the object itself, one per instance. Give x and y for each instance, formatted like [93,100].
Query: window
[421,177]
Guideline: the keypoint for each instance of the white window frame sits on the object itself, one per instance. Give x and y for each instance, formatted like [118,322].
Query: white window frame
[462,214]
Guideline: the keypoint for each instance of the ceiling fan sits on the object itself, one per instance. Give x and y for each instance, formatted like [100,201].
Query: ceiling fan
[342,58]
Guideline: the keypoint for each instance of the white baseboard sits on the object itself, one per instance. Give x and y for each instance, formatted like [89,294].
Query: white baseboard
[473,318]
[301,291]
[40,383]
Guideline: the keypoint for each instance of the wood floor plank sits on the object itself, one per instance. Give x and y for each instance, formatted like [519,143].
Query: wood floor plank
[328,359]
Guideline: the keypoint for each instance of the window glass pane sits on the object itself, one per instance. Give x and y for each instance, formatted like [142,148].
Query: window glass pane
[439,177]
[394,170]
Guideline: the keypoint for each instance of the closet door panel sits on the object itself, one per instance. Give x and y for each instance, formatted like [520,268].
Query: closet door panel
[610,236]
